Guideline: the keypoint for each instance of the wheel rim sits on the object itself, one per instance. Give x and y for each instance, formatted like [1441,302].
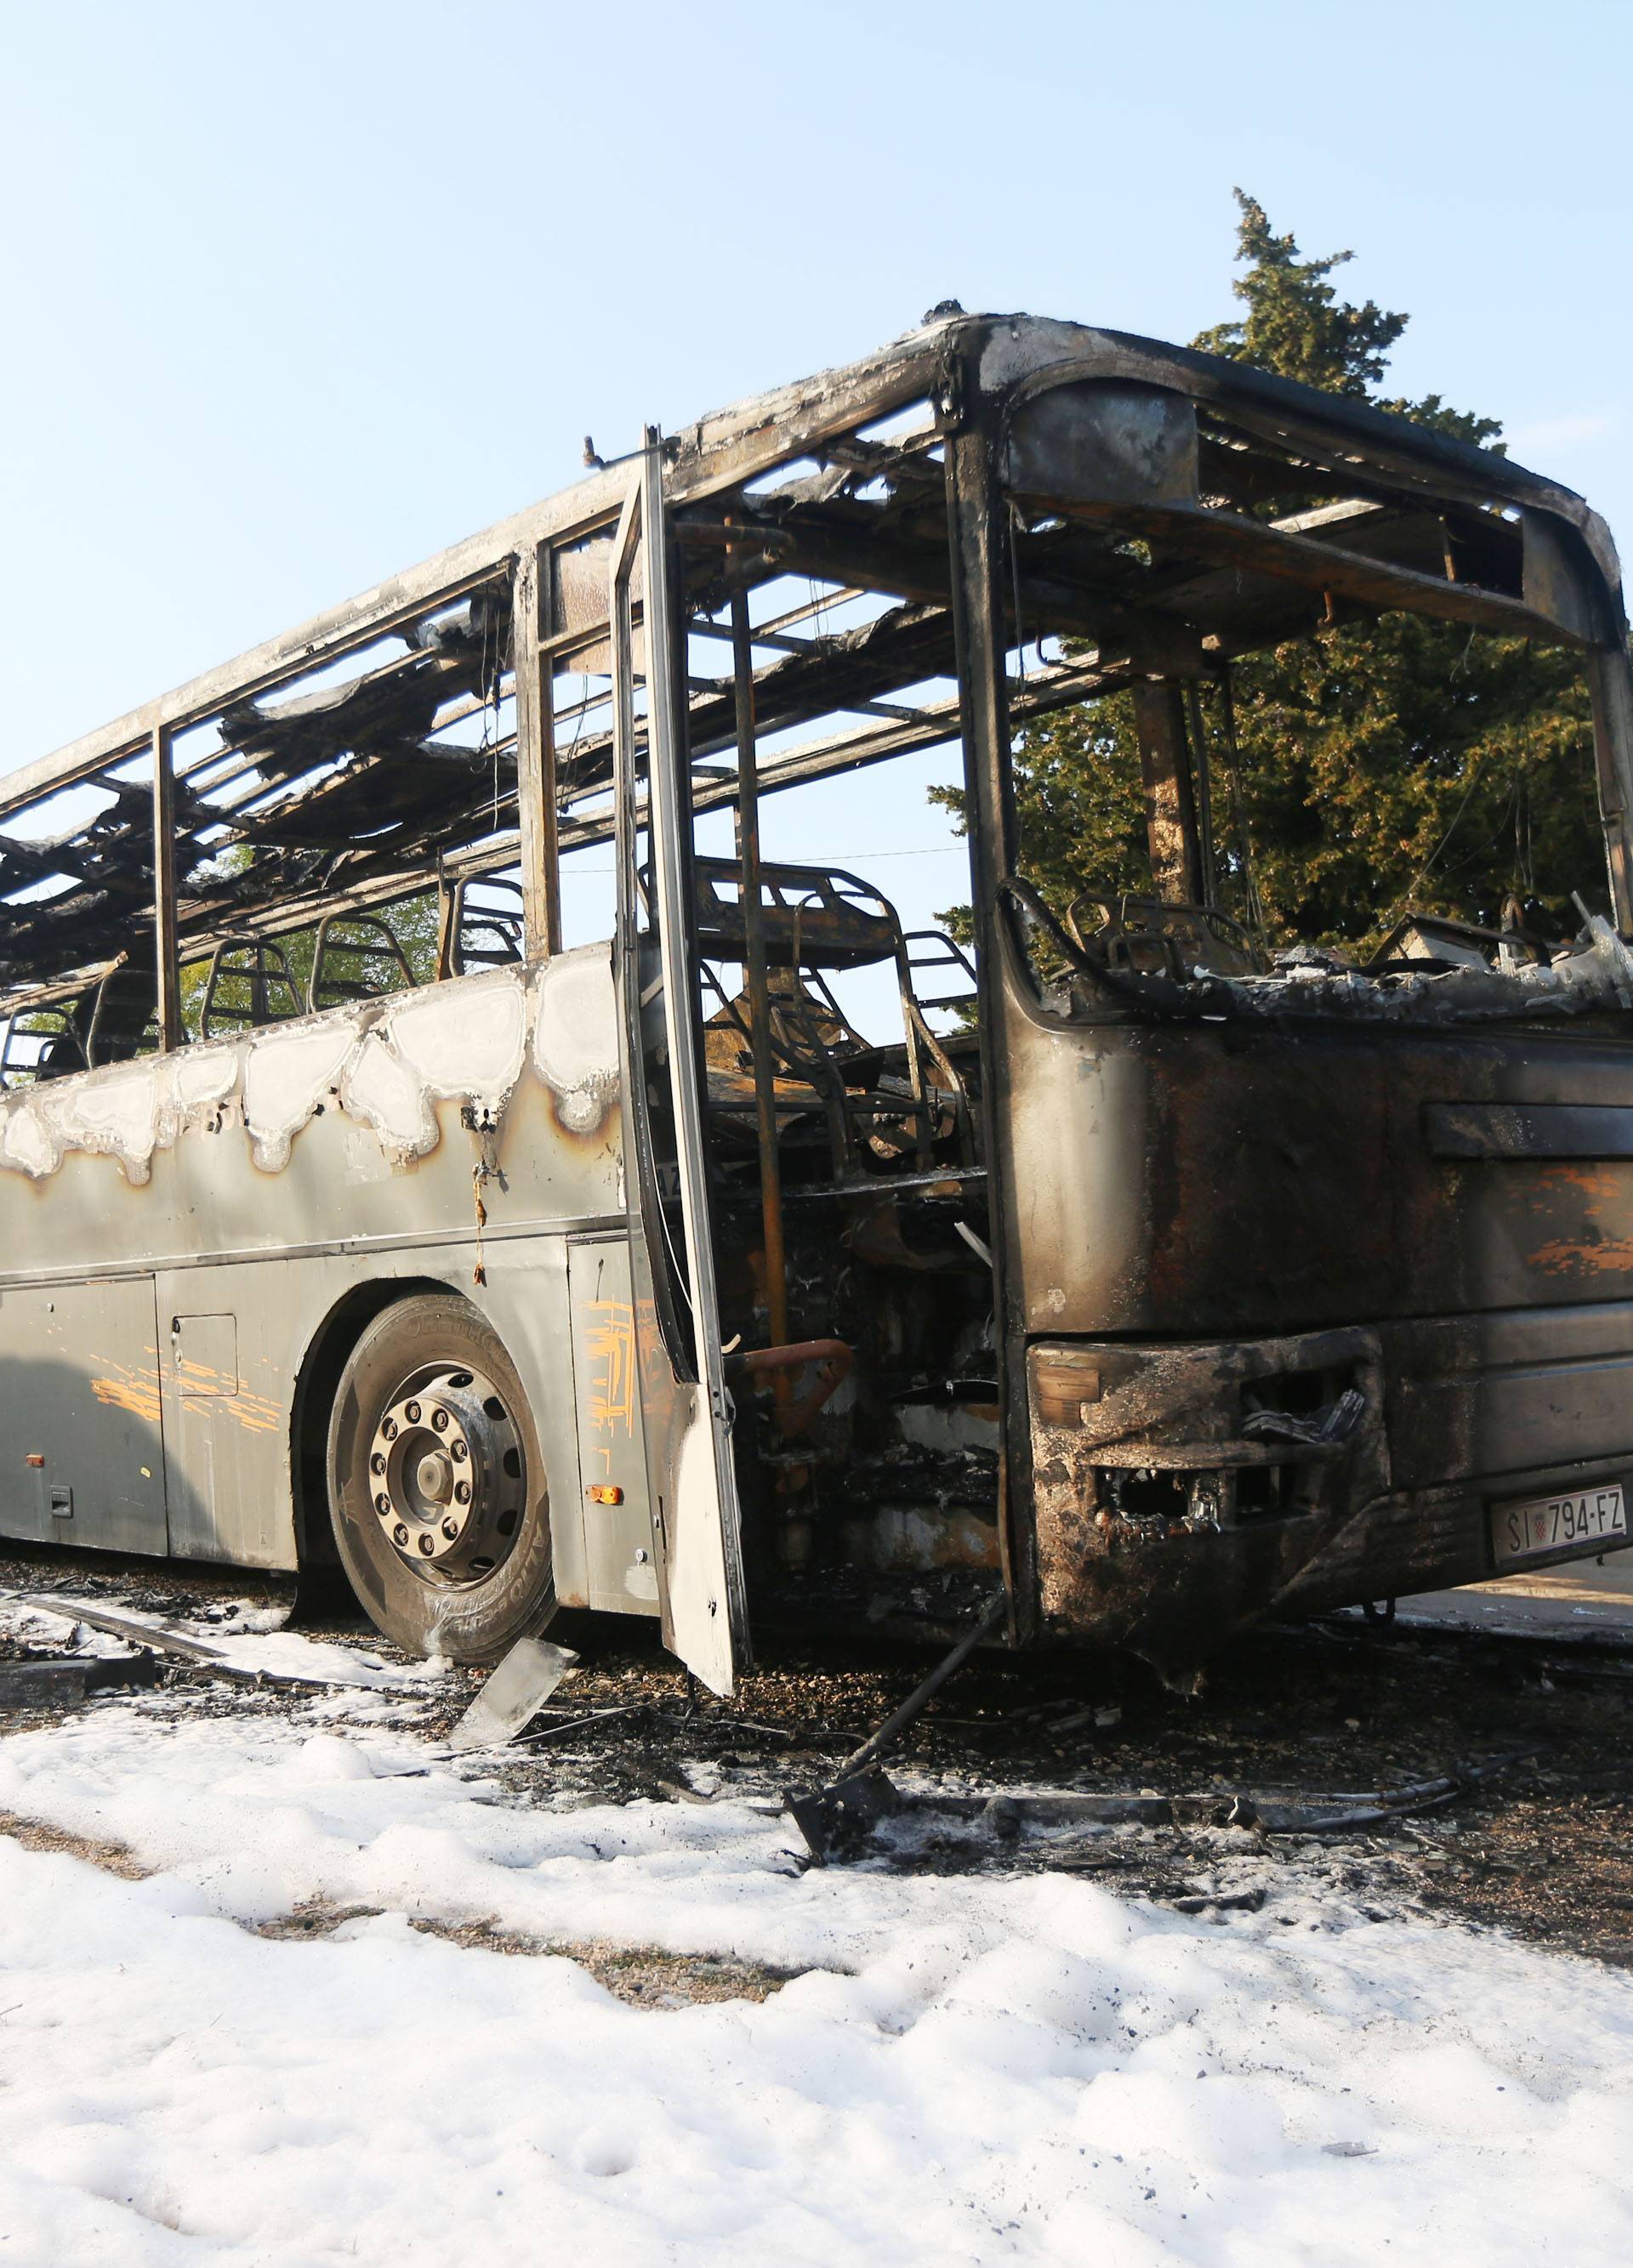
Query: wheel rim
[446,1475]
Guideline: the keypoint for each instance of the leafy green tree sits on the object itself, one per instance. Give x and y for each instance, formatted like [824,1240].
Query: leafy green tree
[1397,763]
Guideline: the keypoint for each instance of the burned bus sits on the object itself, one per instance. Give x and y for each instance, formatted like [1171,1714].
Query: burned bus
[1132,1271]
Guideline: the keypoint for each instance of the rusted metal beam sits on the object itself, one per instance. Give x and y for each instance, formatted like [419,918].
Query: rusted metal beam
[976,528]
[1610,677]
[208,920]
[918,572]
[758,982]
[536,754]
[1288,556]
[166,960]
[1204,793]
[821,411]
[722,450]
[730,445]
[316,643]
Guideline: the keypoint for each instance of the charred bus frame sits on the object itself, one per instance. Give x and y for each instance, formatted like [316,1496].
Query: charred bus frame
[1174,1288]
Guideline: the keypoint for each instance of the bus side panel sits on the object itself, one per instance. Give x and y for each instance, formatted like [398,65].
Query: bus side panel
[471,1182]
[81,1446]
[227,1373]
[227,1421]
[525,1298]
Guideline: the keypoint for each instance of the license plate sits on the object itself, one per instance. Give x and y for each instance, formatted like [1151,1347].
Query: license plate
[1581,1521]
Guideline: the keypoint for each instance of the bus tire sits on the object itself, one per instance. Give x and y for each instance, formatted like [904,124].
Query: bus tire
[436,1488]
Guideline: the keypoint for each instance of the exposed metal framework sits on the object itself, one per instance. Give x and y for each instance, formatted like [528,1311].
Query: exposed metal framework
[455,721]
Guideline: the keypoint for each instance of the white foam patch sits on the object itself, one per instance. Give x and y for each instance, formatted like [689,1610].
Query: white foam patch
[286,1077]
[127,1111]
[467,1040]
[575,1044]
[964,2071]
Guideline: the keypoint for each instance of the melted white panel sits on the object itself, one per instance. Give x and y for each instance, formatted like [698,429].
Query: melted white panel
[127,1111]
[30,1141]
[575,1042]
[114,1112]
[467,1040]
[285,1079]
[202,1078]
[387,1094]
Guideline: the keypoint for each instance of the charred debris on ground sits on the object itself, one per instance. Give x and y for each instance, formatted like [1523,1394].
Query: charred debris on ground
[1534,1833]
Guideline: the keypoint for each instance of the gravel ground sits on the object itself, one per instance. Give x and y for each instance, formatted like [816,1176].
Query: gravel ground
[1541,1848]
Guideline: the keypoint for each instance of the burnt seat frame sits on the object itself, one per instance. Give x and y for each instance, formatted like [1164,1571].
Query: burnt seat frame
[815,919]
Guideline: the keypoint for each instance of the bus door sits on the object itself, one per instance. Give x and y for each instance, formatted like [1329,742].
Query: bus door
[697,1526]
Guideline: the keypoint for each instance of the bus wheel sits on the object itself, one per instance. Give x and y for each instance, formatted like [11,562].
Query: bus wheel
[436,1484]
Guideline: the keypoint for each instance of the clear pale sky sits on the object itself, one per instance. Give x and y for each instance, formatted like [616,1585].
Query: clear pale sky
[299,294]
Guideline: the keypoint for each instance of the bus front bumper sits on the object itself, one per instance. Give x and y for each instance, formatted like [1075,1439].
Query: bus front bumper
[1184,1492]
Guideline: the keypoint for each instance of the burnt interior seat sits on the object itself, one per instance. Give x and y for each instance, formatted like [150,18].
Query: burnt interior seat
[123,1021]
[876,1102]
[43,1043]
[812,917]
[1161,937]
[371,956]
[249,982]
[478,932]
[114,1021]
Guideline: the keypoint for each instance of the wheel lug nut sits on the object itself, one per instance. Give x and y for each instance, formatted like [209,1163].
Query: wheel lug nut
[457,1450]
[377,1462]
[390,1429]
[450,1529]
[399,1533]
[382,1505]
[426,1545]
[462,1491]
[412,1413]
[440,1419]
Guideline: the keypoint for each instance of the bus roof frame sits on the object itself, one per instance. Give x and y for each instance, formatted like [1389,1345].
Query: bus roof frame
[985,373]
[728,446]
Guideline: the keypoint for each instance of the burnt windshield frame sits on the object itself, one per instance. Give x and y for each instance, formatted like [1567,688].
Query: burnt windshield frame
[1188,534]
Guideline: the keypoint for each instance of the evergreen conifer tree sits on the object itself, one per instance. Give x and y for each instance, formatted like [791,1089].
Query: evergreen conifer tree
[1396,763]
